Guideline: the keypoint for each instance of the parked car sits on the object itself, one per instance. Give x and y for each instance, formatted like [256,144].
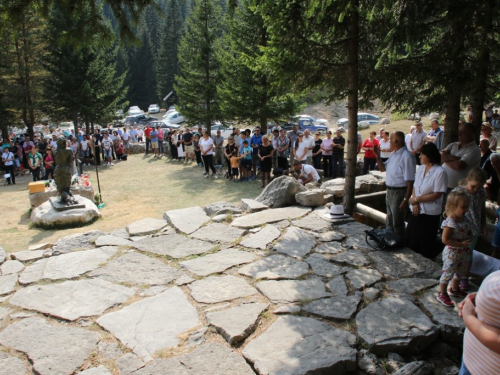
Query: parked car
[163,125]
[305,124]
[154,108]
[224,130]
[316,121]
[141,118]
[174,118]
[169,111]
[362,116]
[134,110]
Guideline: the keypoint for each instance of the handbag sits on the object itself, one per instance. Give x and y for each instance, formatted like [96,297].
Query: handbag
[384,239]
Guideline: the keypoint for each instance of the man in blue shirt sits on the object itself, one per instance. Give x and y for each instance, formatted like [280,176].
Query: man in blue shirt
[255,142]
[431,136]
[154,141]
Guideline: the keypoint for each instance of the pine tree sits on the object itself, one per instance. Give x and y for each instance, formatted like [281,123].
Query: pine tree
[247,91]
[168,62]
[199,65]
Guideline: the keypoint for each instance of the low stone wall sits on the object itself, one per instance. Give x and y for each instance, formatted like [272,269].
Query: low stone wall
[37,199]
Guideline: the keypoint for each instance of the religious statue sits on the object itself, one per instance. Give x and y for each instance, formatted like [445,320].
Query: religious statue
[62,173]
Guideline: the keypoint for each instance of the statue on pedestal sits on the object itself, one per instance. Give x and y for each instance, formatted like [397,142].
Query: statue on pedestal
[62,173]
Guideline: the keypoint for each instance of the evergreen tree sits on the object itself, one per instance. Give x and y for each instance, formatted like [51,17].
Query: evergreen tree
[168,62]
[152,21]
[247,91]
[199,65]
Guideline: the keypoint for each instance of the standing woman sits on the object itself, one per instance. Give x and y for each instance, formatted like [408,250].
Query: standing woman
[8,164]
[282,149]
[317,153]
[228,152]
[173,144]
[385,147]
[265,154]
[34,163]
[426,202]
[48,160]
[197,150]
[207,154]
[327,150]
[181,154]
[370,158]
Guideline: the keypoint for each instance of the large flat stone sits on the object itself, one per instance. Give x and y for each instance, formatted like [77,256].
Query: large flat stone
[269,216]
[66,266]
[7,284]
[153,323]
[296,242]
[146,226]
[353,258]
[72,299]
[10,365]
[110,240]
[395,325]
[404,263]
[215,289]
[221,207]
[251,205]
[275,267]
[451,325]
[51,349]
[100,370]
[218,262]
[262,238]
[337,286]
[330,236]
[138,269]
[218,233]
[173,245]
[80,241]
[306,346]
[28,255]
[411,285]
[187,220]
[355,229]
[330,248]
[237,323]
[286,291]
[128,363]
[11,267]
[208,359]
[322,267]
[337,307]
[361,278]
[312,222]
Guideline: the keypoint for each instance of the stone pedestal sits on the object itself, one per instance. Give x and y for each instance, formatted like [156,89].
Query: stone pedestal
[47,215]
[37,199]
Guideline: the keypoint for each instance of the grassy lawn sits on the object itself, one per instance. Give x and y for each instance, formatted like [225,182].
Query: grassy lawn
[135,189]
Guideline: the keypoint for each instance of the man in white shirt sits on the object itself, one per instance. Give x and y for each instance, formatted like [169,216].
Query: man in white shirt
[309,145]
[417,140]
[126,140]
[306,172]
[460,157]
[107,146]
[400,174]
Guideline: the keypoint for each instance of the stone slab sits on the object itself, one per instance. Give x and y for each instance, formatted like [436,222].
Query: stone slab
[10,365]
[215,289]
[109,350]
[269,216]
[128,363]
[361,278]
[285,291]
[217,262]
[322,267]
[66,266]
[58,206]
[3,255]
[79,241]
[28,255]
[291,308]
[330,236]
[51,349]
[7,284]
[353,258]
[173,245]
[401,263]
[47,215]
[72,299]
[218,233]
[153,323]
[221,207]
[275,267]
[411,285]
[137,269]
[187,220]
[295,242]
[330,248]
[237,323]
[313,223]
[251,205]
[3,313]
[395,325]
[337,286]
[451,325]
[122,233]
[342,307]
[262,238]
[101,370]
[306,346]
[146,226]
[110,240]
[11,267]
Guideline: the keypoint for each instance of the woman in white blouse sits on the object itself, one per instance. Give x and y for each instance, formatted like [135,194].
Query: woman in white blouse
[426,202]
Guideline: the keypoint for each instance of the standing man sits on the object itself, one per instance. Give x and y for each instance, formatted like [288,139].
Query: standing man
[293,136]
[417,141]
[153,134]
[34,163]
[432,135]
[107,147]
[400,168]
[188,138]
[460,157]
[27,146]
[236,136]
[338,154]
[489,114]
[310,145]
[218,142]
[126,140]
[380,134]
[255,142]
[147,133]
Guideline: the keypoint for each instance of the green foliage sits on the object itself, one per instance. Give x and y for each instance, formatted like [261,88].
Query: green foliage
[199,64]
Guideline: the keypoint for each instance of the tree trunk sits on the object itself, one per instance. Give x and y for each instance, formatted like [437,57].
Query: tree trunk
[352,107]
[452,116]
[75,122]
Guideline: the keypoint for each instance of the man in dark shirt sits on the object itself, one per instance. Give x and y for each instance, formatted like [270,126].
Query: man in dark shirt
[187,137]
[338,155]
[492,168]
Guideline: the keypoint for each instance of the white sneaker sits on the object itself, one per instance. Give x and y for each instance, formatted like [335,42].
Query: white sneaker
[111,164]
[206,175]
[215,176]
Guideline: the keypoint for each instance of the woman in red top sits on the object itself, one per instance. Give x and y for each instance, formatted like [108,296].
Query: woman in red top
[370,158]
[49,164]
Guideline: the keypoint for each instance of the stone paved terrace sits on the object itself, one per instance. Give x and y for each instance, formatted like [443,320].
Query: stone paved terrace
[275,291]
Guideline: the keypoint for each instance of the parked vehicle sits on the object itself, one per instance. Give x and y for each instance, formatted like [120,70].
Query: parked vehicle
[141,118]
[174,118]
[164,125]
[362,116]
[134,110]
[224,130]
[169,111]
[303,125]
[154,108]
[316,121]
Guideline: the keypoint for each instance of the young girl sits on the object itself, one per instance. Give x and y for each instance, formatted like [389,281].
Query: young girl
[456,237]
[473,187]
[234,165]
